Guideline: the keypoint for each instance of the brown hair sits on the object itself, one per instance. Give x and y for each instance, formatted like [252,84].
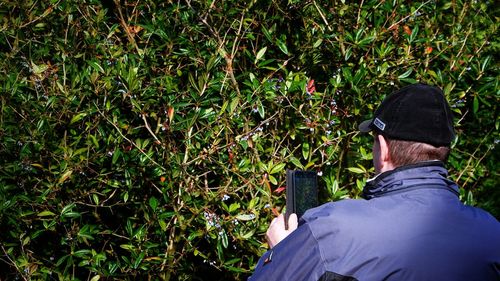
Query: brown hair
[410,152]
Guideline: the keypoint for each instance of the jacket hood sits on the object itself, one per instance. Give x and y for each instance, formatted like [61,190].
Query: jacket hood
[420,175]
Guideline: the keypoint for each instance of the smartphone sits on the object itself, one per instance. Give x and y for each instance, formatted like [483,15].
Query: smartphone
[301,192]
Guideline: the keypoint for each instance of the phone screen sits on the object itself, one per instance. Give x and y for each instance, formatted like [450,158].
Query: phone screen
[301,192]
[306,192]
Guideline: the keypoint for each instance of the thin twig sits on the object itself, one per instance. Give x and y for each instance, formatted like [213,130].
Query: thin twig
[269,76]
[125,26]
[332,140]
[45,13]
[340,41]
[149,128]
[227,57]
[461,48]
[465,113]
[477,52]
[403,19]
[322,16]
[13,263]
[473,157]
[359,13]
[186,163]
[131,142]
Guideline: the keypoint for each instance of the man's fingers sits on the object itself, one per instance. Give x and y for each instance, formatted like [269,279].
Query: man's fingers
[277,232]
[279,219]
[276,219]
[293,222]
[272,222]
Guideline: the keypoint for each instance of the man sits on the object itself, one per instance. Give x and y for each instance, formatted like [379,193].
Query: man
[410,225]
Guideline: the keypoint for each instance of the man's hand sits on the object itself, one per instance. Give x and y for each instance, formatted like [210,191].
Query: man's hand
[277,232]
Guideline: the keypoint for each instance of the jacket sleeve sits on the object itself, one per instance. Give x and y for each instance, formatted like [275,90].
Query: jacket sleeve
[297,257]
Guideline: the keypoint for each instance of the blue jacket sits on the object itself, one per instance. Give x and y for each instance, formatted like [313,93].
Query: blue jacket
[411,226]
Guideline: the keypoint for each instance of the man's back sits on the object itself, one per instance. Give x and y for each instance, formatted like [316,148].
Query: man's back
[413,227]
[407,237]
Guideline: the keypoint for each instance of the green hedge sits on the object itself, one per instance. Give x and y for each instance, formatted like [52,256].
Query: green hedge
[149,139]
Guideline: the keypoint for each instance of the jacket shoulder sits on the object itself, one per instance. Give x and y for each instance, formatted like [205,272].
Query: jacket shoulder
[347,208]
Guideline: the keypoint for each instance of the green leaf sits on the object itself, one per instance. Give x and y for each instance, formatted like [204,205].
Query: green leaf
[360,184]
[260,54]
[82,253]
[261,110]
[233,261]
[317,43]
[153,203]
[356,170]
[248,235]
[233,207]
[267,34]
[116,155]
[277,168]
[39,69]
[273,180]
[195,234]
[245,217]
[224,239]
[127,247]
[72,215]
[448,88]
[61,260]
[296,162]
[485,63]
[244,144]
[305,150]
[223,107]
[26,241]
[96,66]
[366,41]
[406,74]
[139,259]
[234,103]
[475,104]
[65,176]
[95,197]
[46,214]
[163,225]
[282,46]
[77,117]
[67,208]
[347,55]
[414,34]
[252,203]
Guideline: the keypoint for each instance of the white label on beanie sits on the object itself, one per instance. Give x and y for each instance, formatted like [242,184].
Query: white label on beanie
[379,124]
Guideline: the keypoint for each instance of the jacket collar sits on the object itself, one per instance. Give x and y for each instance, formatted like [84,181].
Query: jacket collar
[419,175]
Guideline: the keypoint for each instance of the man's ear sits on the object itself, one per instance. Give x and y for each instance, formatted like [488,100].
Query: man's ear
[384,148]
[385,157]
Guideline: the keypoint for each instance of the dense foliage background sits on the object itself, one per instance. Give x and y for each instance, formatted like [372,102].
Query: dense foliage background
[149,139]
